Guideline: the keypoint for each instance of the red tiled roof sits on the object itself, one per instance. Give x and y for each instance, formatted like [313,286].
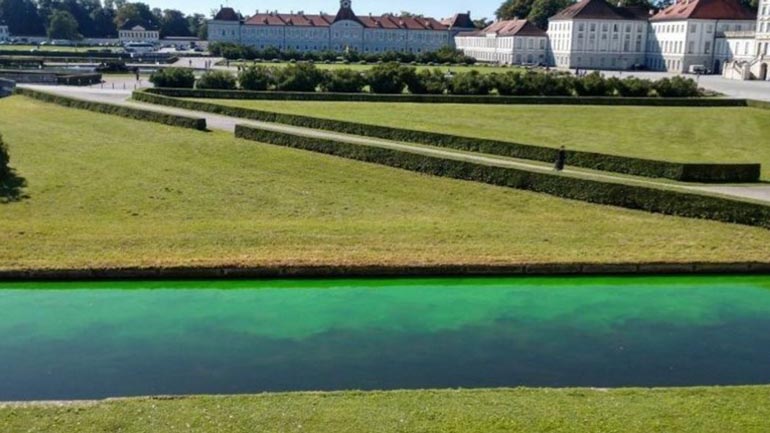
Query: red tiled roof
[705,10]
[382,22]
[513,28]
[601,10]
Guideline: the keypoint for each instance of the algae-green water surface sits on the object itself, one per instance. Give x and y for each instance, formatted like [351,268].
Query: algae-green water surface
[91,340]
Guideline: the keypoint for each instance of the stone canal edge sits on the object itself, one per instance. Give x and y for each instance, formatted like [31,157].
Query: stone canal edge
[341,271]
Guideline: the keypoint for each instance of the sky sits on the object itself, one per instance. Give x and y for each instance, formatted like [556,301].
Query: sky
[434,8]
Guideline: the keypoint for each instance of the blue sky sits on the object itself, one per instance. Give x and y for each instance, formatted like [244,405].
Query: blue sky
[434,8]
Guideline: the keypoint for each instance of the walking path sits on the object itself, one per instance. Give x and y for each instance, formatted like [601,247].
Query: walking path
[757,192]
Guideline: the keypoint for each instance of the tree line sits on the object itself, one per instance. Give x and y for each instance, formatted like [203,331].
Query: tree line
[393,78]
[76,19]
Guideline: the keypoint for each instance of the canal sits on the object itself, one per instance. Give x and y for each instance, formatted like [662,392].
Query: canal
[107,339]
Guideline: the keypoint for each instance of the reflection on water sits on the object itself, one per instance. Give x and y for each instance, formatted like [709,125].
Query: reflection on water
[90,340]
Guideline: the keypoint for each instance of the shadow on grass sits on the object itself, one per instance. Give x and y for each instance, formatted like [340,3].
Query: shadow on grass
[12,188]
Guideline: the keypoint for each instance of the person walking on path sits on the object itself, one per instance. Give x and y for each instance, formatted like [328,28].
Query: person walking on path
[561,159]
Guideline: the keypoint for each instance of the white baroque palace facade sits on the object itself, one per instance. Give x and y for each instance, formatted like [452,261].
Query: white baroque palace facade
[514,42]
[693,33]
[718,35]
[135,33]
[594,34]
[340,32]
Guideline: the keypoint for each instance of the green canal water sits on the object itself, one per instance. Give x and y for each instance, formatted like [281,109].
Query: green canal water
[91,340]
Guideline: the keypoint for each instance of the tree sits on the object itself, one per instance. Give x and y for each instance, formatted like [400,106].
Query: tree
[5,170]
[219,80]
[137,13]
[543,9]
[22,17]
[344,81]
[63,26]
[302,77]
[104,23]
[482,23]
[514,9]
[173,77]
[174,23]
[257,78]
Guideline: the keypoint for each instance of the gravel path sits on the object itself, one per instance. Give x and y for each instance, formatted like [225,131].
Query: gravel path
[756,192]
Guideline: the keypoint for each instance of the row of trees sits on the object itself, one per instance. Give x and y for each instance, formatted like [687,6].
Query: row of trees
[393,78]
[242,52]
[73,19]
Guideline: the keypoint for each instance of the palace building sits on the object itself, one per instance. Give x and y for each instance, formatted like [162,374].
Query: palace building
[721,36]
[343,31]
[510,42]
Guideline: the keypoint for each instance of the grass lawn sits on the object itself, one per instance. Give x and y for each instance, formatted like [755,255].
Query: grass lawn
[484,69]
[696,410]
[671,133]
[106,191]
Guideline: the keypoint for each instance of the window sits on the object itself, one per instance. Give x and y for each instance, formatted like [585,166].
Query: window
[693,28]
[710,28]
[581,27]
[593,27]
[707,48]
[691,47]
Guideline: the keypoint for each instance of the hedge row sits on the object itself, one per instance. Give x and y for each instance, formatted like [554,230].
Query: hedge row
[447,99]
[628,196]
[132,113]
[596,161]
[443,55]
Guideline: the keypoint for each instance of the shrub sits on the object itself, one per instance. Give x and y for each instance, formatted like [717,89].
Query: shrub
[593,84]
[429,81]
[344,81]
[5,170]
[173,77]
[300,77]
[389,77]
[256,78]
[470,83]
[676,87]
[221,80]
[632,86]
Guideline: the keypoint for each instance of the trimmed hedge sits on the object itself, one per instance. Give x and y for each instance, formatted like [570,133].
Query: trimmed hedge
[448,99]
[117,110]
[596,161]
[615,194]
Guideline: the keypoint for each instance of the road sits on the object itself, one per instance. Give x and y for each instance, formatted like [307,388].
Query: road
[757,192]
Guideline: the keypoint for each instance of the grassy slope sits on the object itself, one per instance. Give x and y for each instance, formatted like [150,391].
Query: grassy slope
[107,191]
[701,410]
[672,133]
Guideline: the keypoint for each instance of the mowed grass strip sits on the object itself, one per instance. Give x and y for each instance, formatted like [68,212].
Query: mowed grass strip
[680,134]
[696,410]
[105,191]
